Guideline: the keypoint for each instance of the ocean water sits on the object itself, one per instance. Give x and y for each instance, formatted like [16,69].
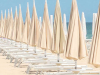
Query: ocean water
[89,30]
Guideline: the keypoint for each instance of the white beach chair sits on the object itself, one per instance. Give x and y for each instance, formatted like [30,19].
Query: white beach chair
[51,64]
[25,59]
[44,68]
[71,73]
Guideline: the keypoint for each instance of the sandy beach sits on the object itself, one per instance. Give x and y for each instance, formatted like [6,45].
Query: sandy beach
[7,68]
[85,62]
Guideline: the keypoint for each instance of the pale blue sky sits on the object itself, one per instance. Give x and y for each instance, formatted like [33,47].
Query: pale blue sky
[87,6]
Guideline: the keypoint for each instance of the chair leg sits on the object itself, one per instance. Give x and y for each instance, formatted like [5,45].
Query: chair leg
[19,61]
[15,62]
[7,57]
[11,60]
[19,64]
[28,69]
[40,72]
[3,54]
[37,73]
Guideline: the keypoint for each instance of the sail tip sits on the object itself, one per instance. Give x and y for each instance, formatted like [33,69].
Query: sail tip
[11,9]
[51,16]
[82,12]
[27,4]
[20,6]
[16,7]
[5,11]
[64,14]
[94,13]
[33,2]
[8,10]
[40,18]
[46,1]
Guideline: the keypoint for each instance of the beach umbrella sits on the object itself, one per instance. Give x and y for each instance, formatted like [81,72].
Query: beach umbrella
[14,35]
[94,57]
[93,23]
[8,19]
[1,25]
[46,34]
[76,47]
[26,27]
[0,28]
[51,22]
[5,24]
[34,29]
[83,22]
[58,42]
[10,26]
[20,26]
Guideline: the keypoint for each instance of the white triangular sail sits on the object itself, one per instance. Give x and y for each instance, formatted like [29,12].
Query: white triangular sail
[83,21]
[40,21]
[51,22]
[93,23]
[64,24]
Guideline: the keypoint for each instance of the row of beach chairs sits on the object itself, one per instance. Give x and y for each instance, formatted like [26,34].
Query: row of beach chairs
[37,62]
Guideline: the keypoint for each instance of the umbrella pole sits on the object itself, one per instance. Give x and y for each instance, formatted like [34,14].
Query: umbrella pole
[58,57]
[20,45]
[75,64]
[15,43]
[11,41]
[27,46]
[1,38]
[45,53]
[35,49]
[6,40]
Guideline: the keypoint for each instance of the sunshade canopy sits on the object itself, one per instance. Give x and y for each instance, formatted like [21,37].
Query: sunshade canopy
[58,43]
[94,57]
[76,47]
[45,39]
[10,26]
[27,26]
[14,35]
[34,28]
[8,19]
[20,26]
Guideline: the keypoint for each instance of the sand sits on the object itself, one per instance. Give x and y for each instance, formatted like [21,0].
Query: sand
[7,68]
[85,62]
